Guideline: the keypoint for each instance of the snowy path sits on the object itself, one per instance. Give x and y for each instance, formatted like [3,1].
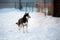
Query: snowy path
[39,26]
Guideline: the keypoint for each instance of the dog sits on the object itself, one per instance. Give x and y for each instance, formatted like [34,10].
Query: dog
[23,21]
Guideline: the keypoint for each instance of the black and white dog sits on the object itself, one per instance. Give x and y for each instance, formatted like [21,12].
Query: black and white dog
[23,21]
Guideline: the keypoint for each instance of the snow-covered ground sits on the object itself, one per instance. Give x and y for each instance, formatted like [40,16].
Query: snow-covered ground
[40,27]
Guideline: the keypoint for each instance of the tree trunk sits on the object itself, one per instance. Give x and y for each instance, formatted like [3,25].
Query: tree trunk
[20,5]
[56,8]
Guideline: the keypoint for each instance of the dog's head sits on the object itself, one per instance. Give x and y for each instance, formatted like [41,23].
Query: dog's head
[27,15]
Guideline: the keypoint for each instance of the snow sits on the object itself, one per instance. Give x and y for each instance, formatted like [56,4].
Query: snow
[40,27]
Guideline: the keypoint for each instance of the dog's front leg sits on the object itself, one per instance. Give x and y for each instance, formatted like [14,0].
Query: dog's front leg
[27,27]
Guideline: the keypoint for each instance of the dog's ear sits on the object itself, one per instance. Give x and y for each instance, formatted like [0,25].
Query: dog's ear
[28,12]
[25,13]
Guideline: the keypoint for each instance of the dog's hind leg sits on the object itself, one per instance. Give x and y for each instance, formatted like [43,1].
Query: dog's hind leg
[20,26]
[23,29]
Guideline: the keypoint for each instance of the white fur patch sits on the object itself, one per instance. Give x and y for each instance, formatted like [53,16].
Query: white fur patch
[27,17]
[25,23]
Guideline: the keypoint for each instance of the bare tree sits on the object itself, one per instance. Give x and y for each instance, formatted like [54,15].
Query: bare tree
[20,4]
[45,6]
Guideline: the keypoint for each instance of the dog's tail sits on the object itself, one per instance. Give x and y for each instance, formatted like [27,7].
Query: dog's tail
[17,23]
